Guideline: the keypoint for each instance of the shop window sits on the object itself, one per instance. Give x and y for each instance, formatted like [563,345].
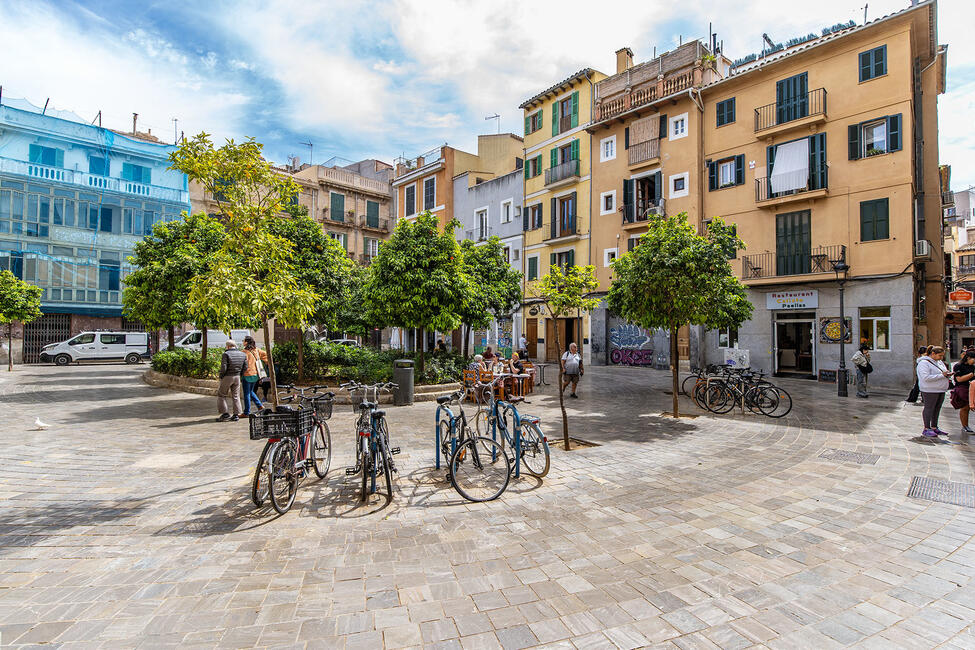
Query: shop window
[728,337]
[875,327]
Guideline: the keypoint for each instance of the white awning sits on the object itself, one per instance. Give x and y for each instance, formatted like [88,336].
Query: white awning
[791,168]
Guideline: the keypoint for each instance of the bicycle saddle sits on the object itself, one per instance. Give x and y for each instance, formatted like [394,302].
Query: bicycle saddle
[379,413]
[286,408]
[515,400]
[443,400]
[365,406]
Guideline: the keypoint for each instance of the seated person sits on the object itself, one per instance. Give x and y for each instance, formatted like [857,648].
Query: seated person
[515,366]
[489,357]
[477,364]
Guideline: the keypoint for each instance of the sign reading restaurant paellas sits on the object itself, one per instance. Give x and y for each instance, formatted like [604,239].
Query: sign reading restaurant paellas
[808,299]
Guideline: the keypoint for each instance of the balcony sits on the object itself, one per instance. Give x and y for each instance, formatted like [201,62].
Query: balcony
[566,172]
[803,110]
[374,223]
[636,215]
[772,265]
[966,269]
[565,123]
[365,259]
[765,197]
[651,88]
[643,152]
[922,251]
[338,218]
[91,181]
[478,234]
[334,175]
[947,199]
[564,228]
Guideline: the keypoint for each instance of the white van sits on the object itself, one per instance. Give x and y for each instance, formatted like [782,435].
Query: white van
[193,340]
[131,347]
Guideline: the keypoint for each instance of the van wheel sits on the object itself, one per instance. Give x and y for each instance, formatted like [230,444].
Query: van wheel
[132,358]
[62,360]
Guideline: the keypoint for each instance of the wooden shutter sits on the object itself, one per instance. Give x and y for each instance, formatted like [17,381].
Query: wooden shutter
[554,157]
[853,136]
[528,120]
[894,132]
[792,243]
[880,61]
[882,219]
[740,169]
[575,149]
[865,67]
[551,259]
[35,154]
[540,113]
[626,138]
[712,176]
[867,218]
[527,167]
[555,218]
[524,217]
[575,212]
[555,118]
[658,187]
[538,165]
[571,258]
[575,109]
[729,111]
[817,162]
[664,125]
[539,215]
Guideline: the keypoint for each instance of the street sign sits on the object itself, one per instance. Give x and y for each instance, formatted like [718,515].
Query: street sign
[808,299]
[961,297]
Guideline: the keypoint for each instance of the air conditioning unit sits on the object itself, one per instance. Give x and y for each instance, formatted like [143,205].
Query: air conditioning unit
[922,249]
[516,254]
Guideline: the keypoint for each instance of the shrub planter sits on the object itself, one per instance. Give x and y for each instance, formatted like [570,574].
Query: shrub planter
[425,393]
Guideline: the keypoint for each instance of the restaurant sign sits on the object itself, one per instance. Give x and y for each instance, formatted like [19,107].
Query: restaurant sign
[808,299]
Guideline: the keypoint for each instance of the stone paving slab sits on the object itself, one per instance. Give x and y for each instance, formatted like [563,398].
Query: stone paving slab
[128,523]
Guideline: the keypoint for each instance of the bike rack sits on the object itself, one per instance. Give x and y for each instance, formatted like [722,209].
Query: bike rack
[436,434]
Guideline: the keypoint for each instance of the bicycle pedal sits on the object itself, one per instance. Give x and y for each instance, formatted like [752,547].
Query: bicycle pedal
[349,471]
[394,450]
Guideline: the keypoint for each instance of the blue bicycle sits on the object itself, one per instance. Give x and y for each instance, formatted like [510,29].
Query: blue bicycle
[373,455]
[478,467]
[501,421]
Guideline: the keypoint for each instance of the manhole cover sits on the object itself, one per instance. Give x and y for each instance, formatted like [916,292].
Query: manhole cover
[843,456]
[935,489]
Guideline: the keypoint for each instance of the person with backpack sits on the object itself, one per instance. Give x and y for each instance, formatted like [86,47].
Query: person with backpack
[961,399]
[932,377]
[915,393]
[861,361]
[256,358]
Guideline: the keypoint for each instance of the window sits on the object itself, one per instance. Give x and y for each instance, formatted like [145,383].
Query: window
[112,339]
[678,185]
[875,137]
[516,254]
[607,202]
[565,114]
[532,216]
[341,238]
[609,254]
[82,339]
[798,165]
[371,246]
[533,167]
[792,98]
[874,220]
[507,254]
[482,224]
[410,208]
[632,243]
[99,166]
[372,214]
[533,267]
[792,243]
[337,206]
[726,173]
[105,221]
[136,173]
[678,126]
[563,260]
[875,327]
[607,149]
[728,337]
[46,155]
[429,194]
[506,211]
[533,122]
[873,63]
[726,111]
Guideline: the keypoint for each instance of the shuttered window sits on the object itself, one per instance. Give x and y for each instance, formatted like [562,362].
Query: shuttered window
[792,243]
[429,194]
[99,166]
[873,63]
[792,98]
[372,214]
[136,173]
[46,155]
[337,207]
[410,200]
[533,268]
[727,172]
[874,137]
[726,111]
[874,219]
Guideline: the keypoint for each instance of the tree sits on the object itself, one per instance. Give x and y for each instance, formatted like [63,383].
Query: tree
[495,286]
[565,292]
[157,292]
[676,277]
[351,315]
[417,279]
[252,275]
[20,301]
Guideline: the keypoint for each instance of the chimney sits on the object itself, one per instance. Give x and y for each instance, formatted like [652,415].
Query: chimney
[624,59]
[135,117]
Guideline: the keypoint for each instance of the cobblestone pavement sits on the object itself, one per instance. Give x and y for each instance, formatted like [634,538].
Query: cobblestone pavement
[129,523]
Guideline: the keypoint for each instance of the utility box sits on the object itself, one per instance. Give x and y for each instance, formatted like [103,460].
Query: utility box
[403,378]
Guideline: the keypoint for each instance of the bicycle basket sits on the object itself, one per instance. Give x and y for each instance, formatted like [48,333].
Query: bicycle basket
[322,406]
[281,425]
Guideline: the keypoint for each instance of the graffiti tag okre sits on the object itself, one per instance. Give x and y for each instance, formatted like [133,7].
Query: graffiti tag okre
[630,346]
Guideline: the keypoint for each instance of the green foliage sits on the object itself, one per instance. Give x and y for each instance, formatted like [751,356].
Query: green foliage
[495,288]
[350,315]
[187,363]
[19,300]
[338,363]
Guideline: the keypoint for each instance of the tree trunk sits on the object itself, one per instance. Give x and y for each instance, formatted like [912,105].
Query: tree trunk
[558,360]
[423,345]
[10,347]
[171,331]
[203,342]
[467,340]
[270,363]
[674,367]
[301,357]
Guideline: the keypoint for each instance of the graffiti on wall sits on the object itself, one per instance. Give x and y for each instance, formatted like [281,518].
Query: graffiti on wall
[630,345]
[504,337]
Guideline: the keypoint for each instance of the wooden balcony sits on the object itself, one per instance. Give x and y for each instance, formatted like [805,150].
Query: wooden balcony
[643,152]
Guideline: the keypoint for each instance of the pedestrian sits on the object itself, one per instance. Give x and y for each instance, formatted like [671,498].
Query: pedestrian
[861,361]
[233,364]
[523,347]
[571,368]
[441,346]
[932,377]
[915,391]
[256,358]
[961,399]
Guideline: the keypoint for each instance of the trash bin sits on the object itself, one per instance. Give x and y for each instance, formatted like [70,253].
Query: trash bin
[403,378]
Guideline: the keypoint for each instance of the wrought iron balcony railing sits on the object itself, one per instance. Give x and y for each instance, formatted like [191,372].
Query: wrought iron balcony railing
[795,108]
[768,265]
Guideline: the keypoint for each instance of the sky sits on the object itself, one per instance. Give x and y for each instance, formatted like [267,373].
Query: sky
[368,79]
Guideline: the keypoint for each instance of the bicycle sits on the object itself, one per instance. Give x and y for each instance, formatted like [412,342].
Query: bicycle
[720,394]
[478,467]
[372,452]
[296,440]
[523,435]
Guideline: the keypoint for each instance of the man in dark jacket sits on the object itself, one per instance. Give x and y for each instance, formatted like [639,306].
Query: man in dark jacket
[233,363]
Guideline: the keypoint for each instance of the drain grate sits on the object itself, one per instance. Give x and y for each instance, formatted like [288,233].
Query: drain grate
[935,489]
[843,456]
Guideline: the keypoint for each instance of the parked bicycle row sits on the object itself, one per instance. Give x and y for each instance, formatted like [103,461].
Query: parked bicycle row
[719,389]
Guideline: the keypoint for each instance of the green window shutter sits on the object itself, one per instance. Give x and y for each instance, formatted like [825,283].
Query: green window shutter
[538,165]
[628,206]
[524,218]
[880,61]
[540,113]
[894,132]
[528,125]
[571,258]
[867,221]
[338,207]
[853,135]
[532,268]
[740,169]
[35,154]
[527,168]
[662,131]
[712,176]
[555,118]
[626,138]
[730,111]
[372,209]
[555,218]
[539,215]
[575,109]
[575,149]
[554,157]
[575,212]
[865,66]
[882,219]
[551,259]
[817,162]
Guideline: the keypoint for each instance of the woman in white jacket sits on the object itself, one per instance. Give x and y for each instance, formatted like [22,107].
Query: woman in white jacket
[932,378]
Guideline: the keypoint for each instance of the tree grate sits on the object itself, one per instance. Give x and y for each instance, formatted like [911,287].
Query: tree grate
[843,456]
[936,489]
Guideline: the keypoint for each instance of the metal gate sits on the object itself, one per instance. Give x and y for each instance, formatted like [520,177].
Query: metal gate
[49,328]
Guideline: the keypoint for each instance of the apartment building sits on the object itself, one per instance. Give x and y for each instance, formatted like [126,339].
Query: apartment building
[485,209]
[74,200]
[556,212]
[959,251]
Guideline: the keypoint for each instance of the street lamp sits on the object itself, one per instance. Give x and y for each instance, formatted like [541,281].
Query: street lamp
[840,266]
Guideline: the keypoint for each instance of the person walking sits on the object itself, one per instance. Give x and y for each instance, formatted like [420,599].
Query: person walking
[932,377]
[916,391]
[256,358]
[861,361]
[523,347]
[572,368]
[233,364]
[961,398]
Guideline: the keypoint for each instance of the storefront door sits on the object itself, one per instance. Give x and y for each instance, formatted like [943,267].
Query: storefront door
[795,345]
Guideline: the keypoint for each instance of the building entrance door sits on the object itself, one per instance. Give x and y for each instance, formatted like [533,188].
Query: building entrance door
[795,346]
[568,333]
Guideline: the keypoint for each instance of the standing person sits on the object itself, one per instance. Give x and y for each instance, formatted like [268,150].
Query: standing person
[572,368]
[861,361]
[523,347]
[441,346]
[256,358]
[932,377]
[233,364]
[960,395]
[915,391]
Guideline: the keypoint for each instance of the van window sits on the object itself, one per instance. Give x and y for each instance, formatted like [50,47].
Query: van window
[192,338]
[82,339]
[112,339]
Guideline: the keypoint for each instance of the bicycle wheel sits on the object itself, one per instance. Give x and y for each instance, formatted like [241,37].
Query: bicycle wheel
[783,401]
[284,478]
[321,449]
[755,400]
[687,386]
[719,399]
[262,477]
[534,450]
[479,469]
[365,459]
[384,456]
[482,422]
[444,427]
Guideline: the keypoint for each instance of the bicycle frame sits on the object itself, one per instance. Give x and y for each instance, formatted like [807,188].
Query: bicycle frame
[453,431]
[493,413]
